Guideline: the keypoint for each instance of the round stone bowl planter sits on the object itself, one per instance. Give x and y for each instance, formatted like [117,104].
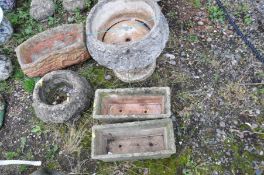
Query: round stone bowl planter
[126,35]
[61,95]
[6,29]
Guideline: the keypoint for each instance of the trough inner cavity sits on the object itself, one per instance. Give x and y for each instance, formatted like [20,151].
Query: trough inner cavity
[133,105]
[43,47]
[53,93]
[145,140]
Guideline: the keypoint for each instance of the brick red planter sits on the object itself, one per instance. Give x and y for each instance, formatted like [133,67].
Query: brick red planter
[53,49]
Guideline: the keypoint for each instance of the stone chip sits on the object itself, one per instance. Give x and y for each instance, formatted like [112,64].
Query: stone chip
[5,67]
[41,10]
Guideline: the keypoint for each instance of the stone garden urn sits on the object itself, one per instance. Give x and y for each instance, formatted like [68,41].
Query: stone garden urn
[6,29]
[7,4]
[127,36]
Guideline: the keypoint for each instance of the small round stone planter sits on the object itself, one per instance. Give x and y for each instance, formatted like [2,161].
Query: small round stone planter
[127,37]
[61,95]
[6,29]
[7,4]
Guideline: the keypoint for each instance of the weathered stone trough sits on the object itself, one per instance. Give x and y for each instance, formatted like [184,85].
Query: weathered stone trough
[60,96]
[151,139]
[127,36]
[53,49]
[115,105]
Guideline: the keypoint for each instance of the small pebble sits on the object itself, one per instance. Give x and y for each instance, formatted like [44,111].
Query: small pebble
[222,124]
[72,5]
[41,10]
[169,56]
[172,62]
[209,40]
[5,67]
[200,23]
[70,19]
[108,77]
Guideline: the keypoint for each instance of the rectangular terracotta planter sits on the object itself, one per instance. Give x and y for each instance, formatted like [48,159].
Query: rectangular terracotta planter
[152,139]
[115,105]
[53,49]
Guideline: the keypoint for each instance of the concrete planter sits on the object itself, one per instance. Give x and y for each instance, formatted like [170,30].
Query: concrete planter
[115,105]
[6,29]
[53,49]
[61,95]
[151,139]
[126,36]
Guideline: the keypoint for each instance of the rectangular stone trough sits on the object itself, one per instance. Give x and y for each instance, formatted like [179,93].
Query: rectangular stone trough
[118,105]
[53,49]
[151,139]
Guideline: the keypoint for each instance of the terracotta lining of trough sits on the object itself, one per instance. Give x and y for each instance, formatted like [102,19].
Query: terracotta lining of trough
[115,105]
[152,139]
[53,49]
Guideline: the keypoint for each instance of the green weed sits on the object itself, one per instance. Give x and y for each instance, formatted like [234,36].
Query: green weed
[197,3]
[37,130]
[29,84]
[216,14]
[11,155]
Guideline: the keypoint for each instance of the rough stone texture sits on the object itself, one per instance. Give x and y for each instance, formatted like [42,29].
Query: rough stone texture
[72,5]
[136,75]
[2,110]
[40,9]
[103,95]
[5,67]
[70,92]
[53,49]
[151,139]
[6,29]
[7,4]
[260,8]
[132,55]
[45,171]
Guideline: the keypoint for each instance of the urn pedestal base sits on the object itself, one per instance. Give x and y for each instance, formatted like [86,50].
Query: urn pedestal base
[135,75]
